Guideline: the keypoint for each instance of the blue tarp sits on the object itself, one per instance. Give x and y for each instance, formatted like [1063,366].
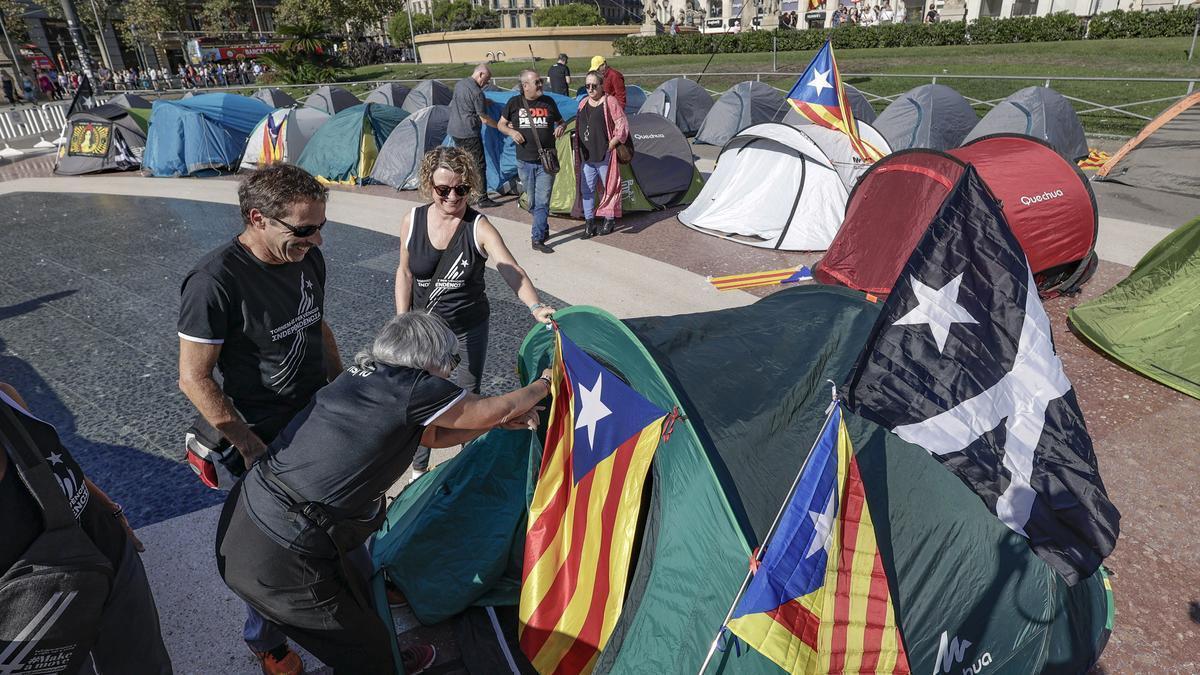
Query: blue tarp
[202,134]
[498,150]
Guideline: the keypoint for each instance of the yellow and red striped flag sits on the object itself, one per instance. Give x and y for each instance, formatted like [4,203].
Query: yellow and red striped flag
[819,601]
[819,96]
[600,440]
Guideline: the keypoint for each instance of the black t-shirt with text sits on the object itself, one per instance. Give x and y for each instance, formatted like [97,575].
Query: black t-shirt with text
[345,450]
[20,515]
[539,116]
[267,319]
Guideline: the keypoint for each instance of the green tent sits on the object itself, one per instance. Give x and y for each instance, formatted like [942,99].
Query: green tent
[1151,320]
[752,382]
[344,149]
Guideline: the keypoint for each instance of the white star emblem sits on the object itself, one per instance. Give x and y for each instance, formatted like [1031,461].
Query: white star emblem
[939,309]
[54,458]
[591,409]
[819,81]
[823,522]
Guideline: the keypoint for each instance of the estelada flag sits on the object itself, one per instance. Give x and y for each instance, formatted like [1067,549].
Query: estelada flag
[819,96]
[600,440]
[819,601]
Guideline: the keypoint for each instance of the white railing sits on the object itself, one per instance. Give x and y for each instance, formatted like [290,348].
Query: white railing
[46,119]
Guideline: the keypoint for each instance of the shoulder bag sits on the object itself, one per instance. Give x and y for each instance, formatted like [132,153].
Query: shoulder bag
[624,151]
[548,157]
[54,594]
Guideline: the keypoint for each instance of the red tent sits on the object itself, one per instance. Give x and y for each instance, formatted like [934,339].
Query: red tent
[1047,201]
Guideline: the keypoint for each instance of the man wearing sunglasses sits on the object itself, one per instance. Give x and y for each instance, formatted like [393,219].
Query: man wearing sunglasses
[532,120]
[254,309]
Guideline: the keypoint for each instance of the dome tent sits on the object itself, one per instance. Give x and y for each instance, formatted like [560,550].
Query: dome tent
[275,97]
[682,101]
[1164,155]
[128,101]
[331,100]
[662,161]
[798,180]
[388,93]
[200,135]
[929,116]
[742,105]
[635,97]
[1047,201]
[281,136]
[859,105]
[400,157]
[105,138]
[716,484]
[345,148]
[429,92]
[1040,112]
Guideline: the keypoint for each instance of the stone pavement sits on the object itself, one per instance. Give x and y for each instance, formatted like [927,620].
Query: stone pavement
[89,276]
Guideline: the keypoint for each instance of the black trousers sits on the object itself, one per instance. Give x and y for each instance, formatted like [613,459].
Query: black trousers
[472,346]
[474,146]
[309,598]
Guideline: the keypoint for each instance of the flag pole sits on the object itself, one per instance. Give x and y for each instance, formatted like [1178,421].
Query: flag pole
[712,648]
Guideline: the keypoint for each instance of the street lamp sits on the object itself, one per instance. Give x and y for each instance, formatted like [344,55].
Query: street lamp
[412,36]
[100,37]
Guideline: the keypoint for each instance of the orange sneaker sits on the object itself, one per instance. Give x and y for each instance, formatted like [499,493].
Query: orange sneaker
[290,664]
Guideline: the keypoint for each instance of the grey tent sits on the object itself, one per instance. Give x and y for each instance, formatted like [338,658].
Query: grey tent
[859,105]
[332,100]
[388,93]
[682,101]
[128,101]
[662,159]
[742,105]
[1040,112]
[105,138]
[931,116]
[1165,155]
[429,92]
[401,154]
[275,97]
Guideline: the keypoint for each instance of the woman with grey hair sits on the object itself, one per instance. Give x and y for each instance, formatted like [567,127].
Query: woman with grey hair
[292,532]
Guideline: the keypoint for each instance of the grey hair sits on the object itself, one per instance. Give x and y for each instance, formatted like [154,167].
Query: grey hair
[481,69]
[527,71]
[415,339]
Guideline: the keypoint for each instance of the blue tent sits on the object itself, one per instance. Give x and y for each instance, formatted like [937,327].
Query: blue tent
[201,135]
[498,150]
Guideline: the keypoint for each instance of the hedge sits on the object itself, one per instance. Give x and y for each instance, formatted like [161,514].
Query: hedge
[1055,27]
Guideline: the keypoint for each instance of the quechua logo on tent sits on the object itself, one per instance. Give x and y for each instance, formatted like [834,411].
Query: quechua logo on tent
[1030,200]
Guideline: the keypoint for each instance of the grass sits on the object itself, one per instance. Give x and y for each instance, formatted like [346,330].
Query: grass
[1129,59]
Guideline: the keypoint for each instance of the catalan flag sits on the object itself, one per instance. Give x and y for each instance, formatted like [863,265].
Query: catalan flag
[272,141]
[734,282]
[819,602]
[583,519]
[818,95]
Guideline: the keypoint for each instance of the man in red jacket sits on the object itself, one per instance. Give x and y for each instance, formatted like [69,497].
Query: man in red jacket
[614,81]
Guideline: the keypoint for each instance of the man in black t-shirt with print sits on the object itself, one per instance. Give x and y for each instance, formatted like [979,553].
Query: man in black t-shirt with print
[254,308]
[531,119]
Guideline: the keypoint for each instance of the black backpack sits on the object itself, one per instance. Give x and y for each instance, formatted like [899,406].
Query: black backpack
[53,596]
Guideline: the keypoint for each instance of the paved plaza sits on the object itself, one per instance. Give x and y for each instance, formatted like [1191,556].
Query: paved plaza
[90,269]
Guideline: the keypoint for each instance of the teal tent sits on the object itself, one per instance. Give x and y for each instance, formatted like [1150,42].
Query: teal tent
[345,148]
[752,383]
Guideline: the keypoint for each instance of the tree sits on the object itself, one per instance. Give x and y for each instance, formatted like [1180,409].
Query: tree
[398,27]
[14,23]
[224,16]
[574,14]
[147,20]
[306,55]
[304,12]
[462,15]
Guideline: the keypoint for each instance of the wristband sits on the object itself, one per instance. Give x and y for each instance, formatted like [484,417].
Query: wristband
[119,512]
[548,382]
[536,306]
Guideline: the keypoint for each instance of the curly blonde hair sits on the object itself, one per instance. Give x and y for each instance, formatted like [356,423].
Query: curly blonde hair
[453,159]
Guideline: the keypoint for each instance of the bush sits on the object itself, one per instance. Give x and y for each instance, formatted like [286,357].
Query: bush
[1052,28]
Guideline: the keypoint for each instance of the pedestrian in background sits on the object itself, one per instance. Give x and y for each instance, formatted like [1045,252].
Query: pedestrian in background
[614,81]
[533,121]
[560,76]
[468,114]
[600,127]
[9,90]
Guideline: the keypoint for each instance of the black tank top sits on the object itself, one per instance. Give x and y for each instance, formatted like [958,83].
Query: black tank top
[460,296]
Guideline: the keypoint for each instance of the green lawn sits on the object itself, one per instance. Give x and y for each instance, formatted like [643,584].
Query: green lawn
[1131,59]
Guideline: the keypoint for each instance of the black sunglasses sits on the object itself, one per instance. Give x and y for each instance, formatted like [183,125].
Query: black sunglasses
[444,191]
[301,231]
[592,86]
[536,83]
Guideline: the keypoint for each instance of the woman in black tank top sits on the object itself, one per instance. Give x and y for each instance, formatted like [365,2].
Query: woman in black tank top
[445,246]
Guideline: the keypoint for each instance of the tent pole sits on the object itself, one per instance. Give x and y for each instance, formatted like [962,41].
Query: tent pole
[1195,30]
[712,648]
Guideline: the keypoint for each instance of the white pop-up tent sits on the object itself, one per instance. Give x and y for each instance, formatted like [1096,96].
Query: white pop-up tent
[281,136]
[797,179]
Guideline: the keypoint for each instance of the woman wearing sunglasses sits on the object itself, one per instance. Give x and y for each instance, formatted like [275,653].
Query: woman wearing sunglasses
[446,245]
[600,127]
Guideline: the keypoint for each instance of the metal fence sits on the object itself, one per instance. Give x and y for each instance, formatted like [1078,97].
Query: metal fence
[46,119]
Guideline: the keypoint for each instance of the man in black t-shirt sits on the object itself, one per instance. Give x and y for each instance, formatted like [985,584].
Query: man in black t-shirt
[532,120]
[254,308]
[560,76]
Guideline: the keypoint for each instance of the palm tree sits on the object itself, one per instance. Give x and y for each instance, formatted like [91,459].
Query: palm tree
[306,38]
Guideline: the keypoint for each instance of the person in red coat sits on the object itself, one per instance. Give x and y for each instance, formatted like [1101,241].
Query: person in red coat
[614,81]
